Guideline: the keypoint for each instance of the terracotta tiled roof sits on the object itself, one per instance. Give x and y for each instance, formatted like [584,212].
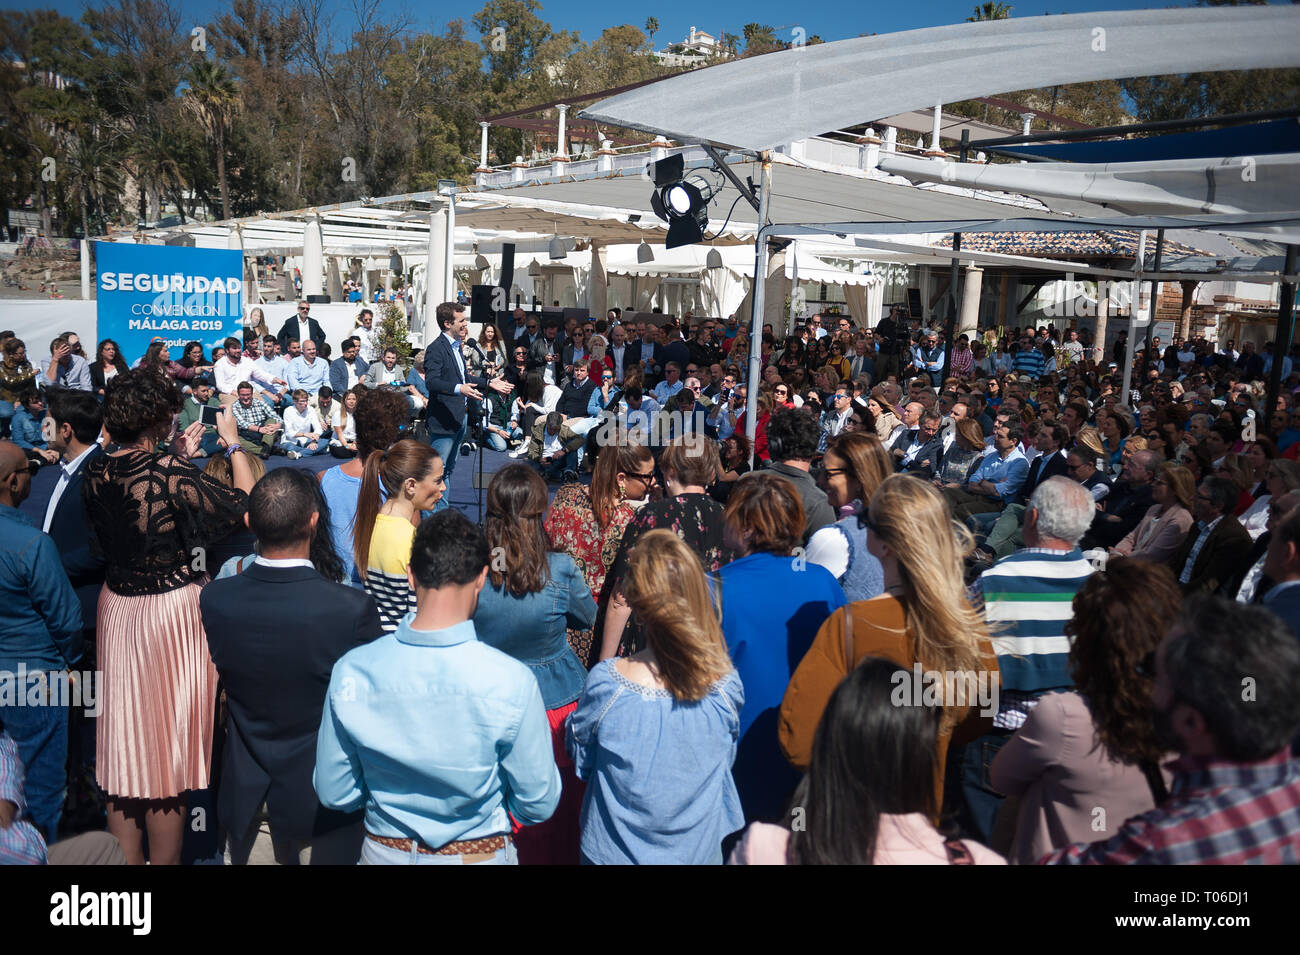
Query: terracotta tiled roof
[1098,244]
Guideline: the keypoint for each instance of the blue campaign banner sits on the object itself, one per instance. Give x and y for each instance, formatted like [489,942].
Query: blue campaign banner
[173,293]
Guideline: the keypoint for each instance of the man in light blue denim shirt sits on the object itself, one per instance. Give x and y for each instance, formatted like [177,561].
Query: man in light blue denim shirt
[996,481]
[437,735]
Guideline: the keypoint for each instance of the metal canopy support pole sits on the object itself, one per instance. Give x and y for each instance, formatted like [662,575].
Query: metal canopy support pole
[954,280]
[756,304]
[1134,300]
[1151,320]
[1282,339]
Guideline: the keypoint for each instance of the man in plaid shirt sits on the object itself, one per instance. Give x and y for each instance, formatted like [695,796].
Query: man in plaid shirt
[259,428]
[1225,699]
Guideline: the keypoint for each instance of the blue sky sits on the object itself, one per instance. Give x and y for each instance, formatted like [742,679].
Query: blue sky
[831,20]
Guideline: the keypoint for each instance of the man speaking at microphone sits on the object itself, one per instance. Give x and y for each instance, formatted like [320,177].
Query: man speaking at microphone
[449,385]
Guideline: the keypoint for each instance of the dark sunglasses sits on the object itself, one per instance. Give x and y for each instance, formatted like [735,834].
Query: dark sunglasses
[647,478]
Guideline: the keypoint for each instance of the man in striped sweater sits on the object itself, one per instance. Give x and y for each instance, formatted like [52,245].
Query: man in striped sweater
[1027,600]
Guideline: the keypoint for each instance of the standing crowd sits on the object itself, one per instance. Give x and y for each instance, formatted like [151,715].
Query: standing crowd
[947,609]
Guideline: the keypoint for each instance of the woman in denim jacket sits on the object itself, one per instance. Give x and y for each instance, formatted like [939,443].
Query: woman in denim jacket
[531,596]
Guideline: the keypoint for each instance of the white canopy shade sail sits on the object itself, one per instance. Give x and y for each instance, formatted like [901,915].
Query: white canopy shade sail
[1236,184]
[765,101]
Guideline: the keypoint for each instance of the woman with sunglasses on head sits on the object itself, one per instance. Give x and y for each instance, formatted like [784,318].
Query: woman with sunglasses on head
[923,616]
[868,797]
[588,523]
[1095,747]
[690,464]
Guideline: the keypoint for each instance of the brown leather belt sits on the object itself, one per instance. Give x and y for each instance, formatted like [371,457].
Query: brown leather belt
[468,847]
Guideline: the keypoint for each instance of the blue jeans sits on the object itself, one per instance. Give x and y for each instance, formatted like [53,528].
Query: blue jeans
[41,733]
[6,412]
[979,801]
[448,448]
[322,446]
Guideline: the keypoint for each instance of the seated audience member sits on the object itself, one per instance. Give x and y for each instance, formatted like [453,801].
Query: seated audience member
[1235,786]
[275,631]
[443,797]
[1166,523]
[532,595]
[1127,503]
[304,432]
[201,396]
[1216,545]
[554,448]
[923,617]
[996,480]
[396,486]
[1093,748]
[868,797]
[25,428]
[792,437]
[773,603]
[308,372]
[343,422]
[64,368]
[654,735]
[1282,566]
[259,426]
[348,370]
[922,457]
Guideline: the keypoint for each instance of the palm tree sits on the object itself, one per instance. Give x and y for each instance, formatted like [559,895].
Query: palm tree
[991,11]
[96,173]
[213,97]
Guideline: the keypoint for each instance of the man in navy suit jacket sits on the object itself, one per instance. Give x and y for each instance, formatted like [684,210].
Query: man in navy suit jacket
[339,366]
[275,632]
[1282,563]
[449,386]
[77,418]
[302,328]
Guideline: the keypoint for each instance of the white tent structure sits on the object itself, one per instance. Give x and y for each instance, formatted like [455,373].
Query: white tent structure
[764,103]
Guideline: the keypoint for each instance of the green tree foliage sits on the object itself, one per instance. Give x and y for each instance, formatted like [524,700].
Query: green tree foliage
[991,11]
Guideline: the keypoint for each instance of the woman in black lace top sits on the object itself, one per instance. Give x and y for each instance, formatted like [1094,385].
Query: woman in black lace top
[153,515]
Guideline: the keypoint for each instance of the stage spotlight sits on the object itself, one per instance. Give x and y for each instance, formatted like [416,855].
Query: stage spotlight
[682,203]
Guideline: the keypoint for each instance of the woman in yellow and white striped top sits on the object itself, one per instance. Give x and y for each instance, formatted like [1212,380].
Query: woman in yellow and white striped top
[411,475]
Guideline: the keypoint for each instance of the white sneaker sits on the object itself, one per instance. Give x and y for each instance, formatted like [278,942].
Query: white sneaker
[520,451]
[294,455]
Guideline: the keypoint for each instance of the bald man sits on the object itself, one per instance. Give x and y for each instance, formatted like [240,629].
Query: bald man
[40,636]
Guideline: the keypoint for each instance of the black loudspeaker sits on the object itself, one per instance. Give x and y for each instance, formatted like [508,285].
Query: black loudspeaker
[318,299]
[480,303]
[507,267]
[914,306]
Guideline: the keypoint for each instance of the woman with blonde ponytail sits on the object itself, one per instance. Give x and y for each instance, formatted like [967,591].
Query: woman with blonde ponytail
[411,475]
[654,734]
[923,617]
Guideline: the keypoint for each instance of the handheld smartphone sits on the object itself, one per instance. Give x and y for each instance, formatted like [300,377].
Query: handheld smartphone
[208,415]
